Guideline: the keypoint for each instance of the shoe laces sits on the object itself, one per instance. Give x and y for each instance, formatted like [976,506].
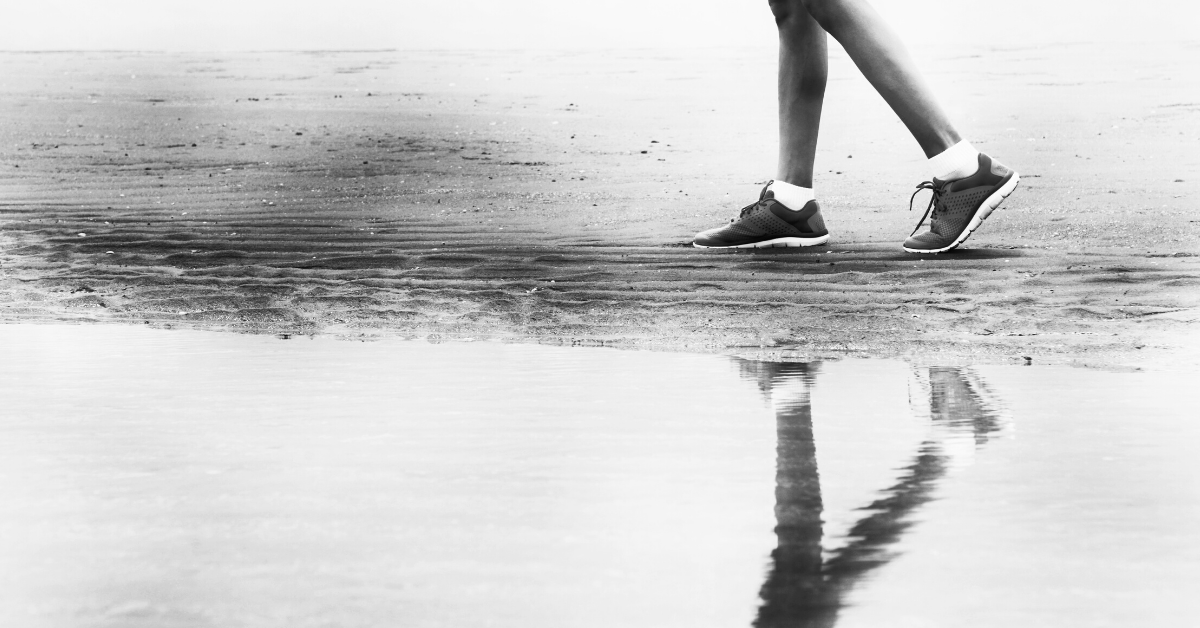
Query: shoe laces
[935,202]
[747,209]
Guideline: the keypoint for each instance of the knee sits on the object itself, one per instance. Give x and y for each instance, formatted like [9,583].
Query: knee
[825,12]
[786,11]
[791,14]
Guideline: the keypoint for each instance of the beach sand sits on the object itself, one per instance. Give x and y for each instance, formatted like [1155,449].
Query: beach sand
[552,197]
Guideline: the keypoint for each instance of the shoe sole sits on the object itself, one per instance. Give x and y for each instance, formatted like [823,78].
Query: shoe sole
[771,244]
[989,205]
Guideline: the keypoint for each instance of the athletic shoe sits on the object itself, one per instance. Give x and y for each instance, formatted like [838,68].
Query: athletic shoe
[960,206]
[767,223]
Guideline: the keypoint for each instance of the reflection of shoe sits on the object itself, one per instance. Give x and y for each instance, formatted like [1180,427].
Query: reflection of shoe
[920,392]
[776,380]
[993,419]
[768,223]
[960,206]
[964,412]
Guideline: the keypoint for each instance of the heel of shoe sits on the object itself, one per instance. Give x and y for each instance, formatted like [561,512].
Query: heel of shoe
[993,201]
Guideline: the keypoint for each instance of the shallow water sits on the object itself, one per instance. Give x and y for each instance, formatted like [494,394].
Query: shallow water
[180,478]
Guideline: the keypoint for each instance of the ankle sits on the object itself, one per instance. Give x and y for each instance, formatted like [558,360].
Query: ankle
[791,196]
[957,162]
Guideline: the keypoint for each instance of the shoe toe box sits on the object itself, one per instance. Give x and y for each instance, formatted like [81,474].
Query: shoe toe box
[712,237]
[928,241]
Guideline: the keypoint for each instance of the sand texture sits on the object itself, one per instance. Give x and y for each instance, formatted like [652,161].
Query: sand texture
[532,196]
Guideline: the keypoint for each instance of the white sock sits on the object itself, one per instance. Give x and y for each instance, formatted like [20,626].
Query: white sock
[957,162]
[793,197]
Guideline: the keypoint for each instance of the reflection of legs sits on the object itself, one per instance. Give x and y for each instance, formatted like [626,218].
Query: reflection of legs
[795,589]
[802,590]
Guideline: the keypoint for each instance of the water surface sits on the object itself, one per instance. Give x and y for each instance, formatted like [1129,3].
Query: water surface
[180,478]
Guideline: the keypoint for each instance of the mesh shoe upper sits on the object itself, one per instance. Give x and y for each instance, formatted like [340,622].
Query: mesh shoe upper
[955,203]
[766,219]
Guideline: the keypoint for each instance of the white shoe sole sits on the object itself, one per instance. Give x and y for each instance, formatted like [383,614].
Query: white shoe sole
[989,206]
[770,244]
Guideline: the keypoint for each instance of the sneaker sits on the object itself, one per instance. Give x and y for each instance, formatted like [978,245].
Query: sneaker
[960,206]
[767,223]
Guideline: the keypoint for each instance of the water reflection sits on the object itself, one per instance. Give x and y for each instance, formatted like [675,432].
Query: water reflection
[804,585]
[153,478]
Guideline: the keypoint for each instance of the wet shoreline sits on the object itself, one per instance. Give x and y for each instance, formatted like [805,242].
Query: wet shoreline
[516,197]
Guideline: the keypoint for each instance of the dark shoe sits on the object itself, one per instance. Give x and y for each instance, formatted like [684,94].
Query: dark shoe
[960,206]
[767,223]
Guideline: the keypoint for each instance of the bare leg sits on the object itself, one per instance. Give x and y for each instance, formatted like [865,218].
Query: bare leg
[803,71]
[965,174]
[885,62]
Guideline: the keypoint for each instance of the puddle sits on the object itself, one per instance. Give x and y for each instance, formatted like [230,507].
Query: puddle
[182,478]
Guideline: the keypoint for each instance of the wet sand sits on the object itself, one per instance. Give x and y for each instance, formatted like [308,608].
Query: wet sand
[530,196]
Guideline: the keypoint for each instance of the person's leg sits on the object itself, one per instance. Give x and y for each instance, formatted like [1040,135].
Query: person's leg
[786,214]
[803,72]
[885,62]
[967,185]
